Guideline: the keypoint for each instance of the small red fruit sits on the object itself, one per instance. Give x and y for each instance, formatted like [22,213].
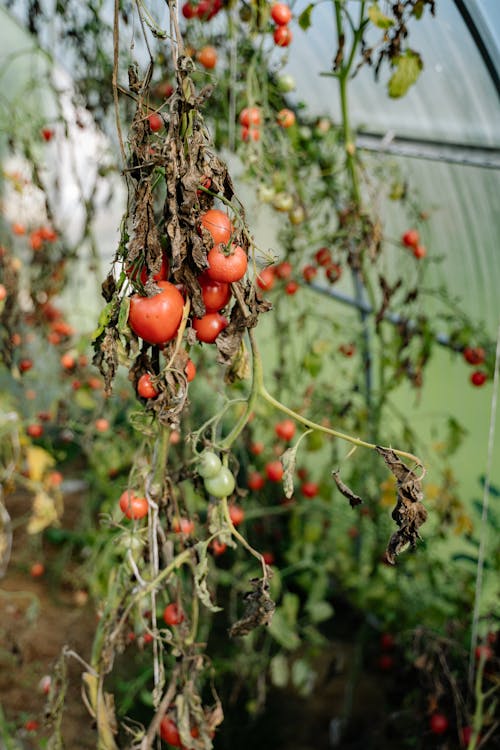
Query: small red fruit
[309,489]
[284,270]
[291,288]
[333,272]
[189,10]
[31,725]
[145,387]
[323,256]
[274,471]
[257,448]
[155,122]
[250,116]
[285,118]
[385,662]
[467,733]
[411,238]
[387,641]
[218,547]
[47,134]
[169,732]
[218,224]
[266,278]
[37,570]
[68,362]
[133,507]
[269,558]
[309,272]
[236,514]
[207,56]
[285,430]
[35,430]
[281,14]
[282,36]
[209,326]
[255,481]
[483,652]
[474,355]
[250,134]
[438,723]
[183,526]
[419,252]
[478,378]
[347,349]
[102,424]
[25,365]
[173,615]
[215,294]
[3,292]
[190,370]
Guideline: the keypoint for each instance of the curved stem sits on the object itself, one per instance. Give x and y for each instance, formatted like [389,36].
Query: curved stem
[234,532]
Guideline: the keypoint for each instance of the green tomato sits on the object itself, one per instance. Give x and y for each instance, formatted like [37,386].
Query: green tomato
[266,193]
[210,465]
[283,202]
[222,484]
[286,83]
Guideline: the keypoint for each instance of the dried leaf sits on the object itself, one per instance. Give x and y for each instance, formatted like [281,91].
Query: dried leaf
[38,461]
[354,499]
[44,513]
[5,537]
[289,460]
[259,609]
[200,577]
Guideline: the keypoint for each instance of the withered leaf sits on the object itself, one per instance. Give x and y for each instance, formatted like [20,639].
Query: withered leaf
[259,609]
[354,499]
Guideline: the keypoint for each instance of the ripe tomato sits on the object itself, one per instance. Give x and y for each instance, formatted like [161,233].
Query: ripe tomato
[155,122]
[478,378]
[133,507]
[169,732]
[189,10]
[266,278]
[145,387]
[309,489]
[474,355]
[347,349]
[218,224]
[18,229]
[419,251]
[323,256]
[285,118]
[269,558]
[250,134]
[483,652]
[250,116]
[309,272]
[285,430]
[411,238]
[47,134]
[438,723]
[190,370]
[282,36]
[101,424]
[34,430]
[387,641]
[281,14]
[183,526]
[274,471]
[291,288]
[161,275]
[3,292]
[207,56]
[173,615]
[209,326]
[156,319]
[229,266]
[25,365]
[236,514]
[284,270]
[209,465]
[257,448]
[333,272]
[218,547]
[215,294]
[255,481]
[68,361]
[222,484]
[37,570]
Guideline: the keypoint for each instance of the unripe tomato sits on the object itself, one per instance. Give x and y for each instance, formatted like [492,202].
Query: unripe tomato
[250,116]
[145,387]
[207,56]
[274,471]
[156,319]
[155,122]
[215,294]
[218,224]
[173,615]
[285,430]
[266,278]
[209,465]
[222,484]
[282,36]
[309,489]
[438,723]
[236,514]
[411,238]
[283,202]
[255,481]
[209,326]
[281,14]
[229,266]
[190,370]
[285,118]
[133,507]
[478,378]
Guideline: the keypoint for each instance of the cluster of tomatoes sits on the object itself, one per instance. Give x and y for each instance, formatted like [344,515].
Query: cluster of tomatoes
[282,15]
[37,237]
[322,259]
[411,240]
[476,356]
[204,10]
[282,272]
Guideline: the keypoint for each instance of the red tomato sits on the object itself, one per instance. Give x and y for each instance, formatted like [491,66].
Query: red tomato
[333,272]
[236,514]
[34,430]
[155,122]
[169,732]
[285,118]
[162,274]
[347,349]
[274,471]
[209,326]
[250,116]
[309,272]
[190,370]
[255,481]
[145,387]
[47,134]
[133,507]
[156,319]
[47,233]
[285,430]
[284,270]
[281,14]
[18,229]
[229,266]
[218,547]
[215,294]
[183,526]
[257,448]
[3,292]
[310,489]
[291,288]
[268,558]
[37,570]
[419,252]
[101,424]
[282,36]
[483,652]
[266,278]
[173,615]
[207,56]
[474,355]
[478,378]
[68,361]
[438,723]
[218,224]
[250,134]
[189,10]
[25,365]
[323,256]
[411,238]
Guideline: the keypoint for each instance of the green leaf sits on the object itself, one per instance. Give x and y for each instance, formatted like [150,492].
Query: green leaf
[84,400]
[104,318]
[143,422]
[408,68]
[282,632]
[200,577]
[290,607]
[123,326]
[378,18]
[280,673]
[320,611]
[418,9]
[305,17]
[303,676]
